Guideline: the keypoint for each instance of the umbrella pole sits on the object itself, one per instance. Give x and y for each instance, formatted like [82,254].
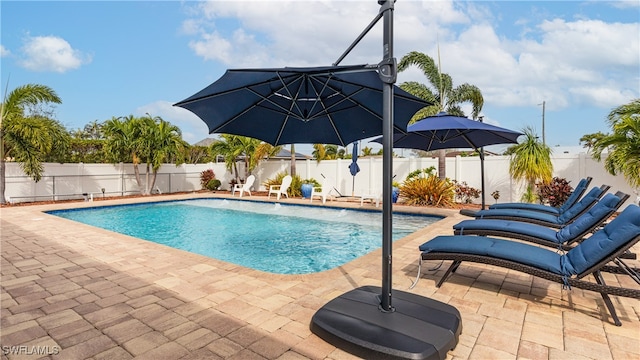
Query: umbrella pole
[353,186]
[362,318]
[482,175]
[387,70]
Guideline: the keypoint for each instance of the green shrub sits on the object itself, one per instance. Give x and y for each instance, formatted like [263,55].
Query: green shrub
[275,181]
[426,172]
[429,191]
[213,184]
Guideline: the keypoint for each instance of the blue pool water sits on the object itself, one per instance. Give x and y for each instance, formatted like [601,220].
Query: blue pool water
[283,239]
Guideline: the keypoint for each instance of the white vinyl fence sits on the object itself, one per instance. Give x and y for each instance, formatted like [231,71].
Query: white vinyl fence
[73,181]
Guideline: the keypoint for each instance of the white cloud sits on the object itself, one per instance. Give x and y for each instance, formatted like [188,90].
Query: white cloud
[625,4]
[4,51]
[51,53]
[585,61]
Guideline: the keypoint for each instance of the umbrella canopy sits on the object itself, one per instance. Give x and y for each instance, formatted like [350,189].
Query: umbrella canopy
[444,131]
[325,105]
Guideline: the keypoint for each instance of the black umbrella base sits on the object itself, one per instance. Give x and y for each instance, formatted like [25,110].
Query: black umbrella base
[419,328]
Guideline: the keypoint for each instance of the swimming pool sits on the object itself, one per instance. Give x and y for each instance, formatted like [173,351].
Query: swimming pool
[282,239]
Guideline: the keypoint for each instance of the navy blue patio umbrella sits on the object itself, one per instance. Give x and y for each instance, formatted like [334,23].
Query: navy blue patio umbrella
[445,131]
[339,105]
[319,105]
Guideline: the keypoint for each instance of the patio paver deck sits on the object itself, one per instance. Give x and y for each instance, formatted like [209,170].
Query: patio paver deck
[72,291]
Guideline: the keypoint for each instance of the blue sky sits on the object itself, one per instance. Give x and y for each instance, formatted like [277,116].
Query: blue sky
[116,58]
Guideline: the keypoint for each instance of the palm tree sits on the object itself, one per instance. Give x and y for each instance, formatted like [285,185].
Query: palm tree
[232,147]
[228,147]
[196,154]
[28,136]
[161,143]
[589,140]
[623,144]
[123,142]
[440,92]
[319,152]
[147,139]
[254,151]
[531,162]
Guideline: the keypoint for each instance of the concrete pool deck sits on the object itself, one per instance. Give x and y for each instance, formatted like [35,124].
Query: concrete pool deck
[72,291]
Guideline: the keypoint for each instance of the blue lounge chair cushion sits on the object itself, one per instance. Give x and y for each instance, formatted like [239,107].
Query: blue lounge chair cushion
[595,215]
[588,253]
[565,217]
[526,206]
[571,200]
[604,242]
[519,213]
[581,206]
[575,195]
[503,249]
[517,227]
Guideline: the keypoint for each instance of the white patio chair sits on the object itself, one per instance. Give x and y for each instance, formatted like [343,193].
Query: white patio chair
[281,189]
[246,187]
[374,196]
[322,191]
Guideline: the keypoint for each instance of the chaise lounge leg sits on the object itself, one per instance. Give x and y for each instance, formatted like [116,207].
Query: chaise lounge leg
[450,270]
[607,300]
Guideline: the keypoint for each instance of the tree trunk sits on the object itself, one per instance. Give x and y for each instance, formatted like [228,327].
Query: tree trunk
[146,181]
[136,171]
[235,171]
[153,180]
[442,164]
[293,160]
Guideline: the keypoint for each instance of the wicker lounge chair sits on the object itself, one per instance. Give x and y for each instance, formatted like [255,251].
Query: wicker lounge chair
[571,200]
[564,238]
[541,218]
[569,269]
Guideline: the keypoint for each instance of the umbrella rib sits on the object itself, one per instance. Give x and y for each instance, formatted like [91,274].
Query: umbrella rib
[293,104]
[325,109]
[261,97]
[466,138]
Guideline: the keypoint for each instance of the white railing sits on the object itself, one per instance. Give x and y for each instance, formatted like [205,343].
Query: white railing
[64,181]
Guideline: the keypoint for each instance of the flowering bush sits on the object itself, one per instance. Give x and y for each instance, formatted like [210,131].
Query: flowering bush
[205,177]
[556,192]
[496,195]
[466,193]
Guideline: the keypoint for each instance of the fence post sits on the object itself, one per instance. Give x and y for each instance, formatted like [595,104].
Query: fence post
[121,179]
